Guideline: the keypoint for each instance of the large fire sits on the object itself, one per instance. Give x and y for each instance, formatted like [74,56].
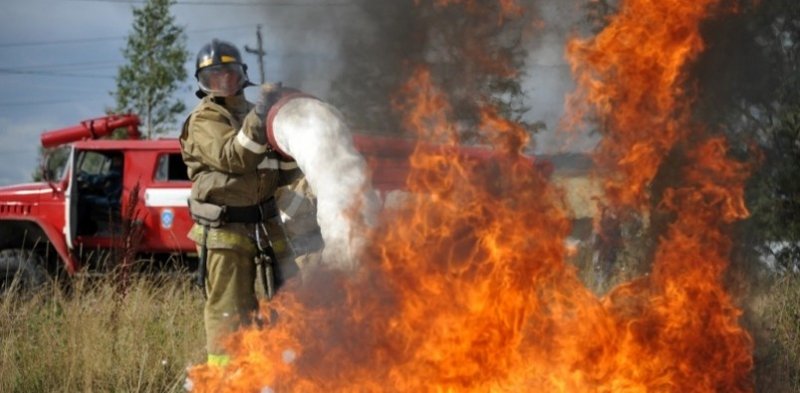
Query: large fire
[466,287]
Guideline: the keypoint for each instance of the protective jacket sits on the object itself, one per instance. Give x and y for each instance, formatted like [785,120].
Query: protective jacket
[230,163]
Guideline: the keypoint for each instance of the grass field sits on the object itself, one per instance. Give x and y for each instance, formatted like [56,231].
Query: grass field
[97,339]
[94,339]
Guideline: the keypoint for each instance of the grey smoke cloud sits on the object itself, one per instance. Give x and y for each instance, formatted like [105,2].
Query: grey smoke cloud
[549,79]
[308,48]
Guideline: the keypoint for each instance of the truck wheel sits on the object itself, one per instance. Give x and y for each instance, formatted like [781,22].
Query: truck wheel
[26,266]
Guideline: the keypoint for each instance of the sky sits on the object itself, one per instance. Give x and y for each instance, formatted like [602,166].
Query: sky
[59,59]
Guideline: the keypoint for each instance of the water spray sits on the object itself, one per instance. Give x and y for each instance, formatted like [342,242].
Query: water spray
[315,134]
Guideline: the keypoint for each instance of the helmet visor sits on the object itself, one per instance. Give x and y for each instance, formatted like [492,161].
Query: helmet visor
[222,80]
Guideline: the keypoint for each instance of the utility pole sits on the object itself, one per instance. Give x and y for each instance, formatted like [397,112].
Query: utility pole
[258,52]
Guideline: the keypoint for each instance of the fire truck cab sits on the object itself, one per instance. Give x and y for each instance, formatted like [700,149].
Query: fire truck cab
[109,193]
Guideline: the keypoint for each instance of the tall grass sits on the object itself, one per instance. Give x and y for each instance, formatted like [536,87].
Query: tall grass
[777,319]
[95,338]
[98,338]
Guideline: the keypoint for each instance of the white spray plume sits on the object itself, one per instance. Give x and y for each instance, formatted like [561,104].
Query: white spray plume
[315,134]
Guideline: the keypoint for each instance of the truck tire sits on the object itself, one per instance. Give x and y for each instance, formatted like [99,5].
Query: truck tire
[26,266]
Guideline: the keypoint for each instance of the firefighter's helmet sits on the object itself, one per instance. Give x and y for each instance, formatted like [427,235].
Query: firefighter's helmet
[219,69]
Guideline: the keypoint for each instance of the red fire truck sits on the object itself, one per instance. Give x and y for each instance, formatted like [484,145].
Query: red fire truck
[74,217]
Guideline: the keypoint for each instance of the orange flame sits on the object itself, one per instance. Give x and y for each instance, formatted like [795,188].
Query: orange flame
[465,288]
[631,74]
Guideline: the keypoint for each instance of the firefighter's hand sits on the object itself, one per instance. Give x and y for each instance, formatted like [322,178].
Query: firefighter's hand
[267,95]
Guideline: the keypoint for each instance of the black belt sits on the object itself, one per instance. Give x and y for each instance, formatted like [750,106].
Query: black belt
[251,214]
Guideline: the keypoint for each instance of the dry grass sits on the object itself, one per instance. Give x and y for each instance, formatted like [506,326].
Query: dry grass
[93,339]
[776,317]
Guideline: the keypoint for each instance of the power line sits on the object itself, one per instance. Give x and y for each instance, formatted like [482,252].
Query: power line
[54,42]
[52,73]
[238,3]
[84,65]
[105,64]
[47,102]
[98,39]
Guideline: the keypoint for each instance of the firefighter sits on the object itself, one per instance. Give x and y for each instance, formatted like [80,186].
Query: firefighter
[234,175]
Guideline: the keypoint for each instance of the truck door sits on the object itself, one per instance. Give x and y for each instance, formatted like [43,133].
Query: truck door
[71,203]
[94,193]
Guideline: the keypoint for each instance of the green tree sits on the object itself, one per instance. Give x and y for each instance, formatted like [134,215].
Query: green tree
[156,54]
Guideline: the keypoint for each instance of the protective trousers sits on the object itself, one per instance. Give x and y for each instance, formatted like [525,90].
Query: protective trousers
[231,300]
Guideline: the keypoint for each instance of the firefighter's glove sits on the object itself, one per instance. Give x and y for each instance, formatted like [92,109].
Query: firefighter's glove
[268,93]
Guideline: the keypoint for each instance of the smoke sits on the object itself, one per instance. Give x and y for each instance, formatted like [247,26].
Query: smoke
[372,47]
[548,77]
[357,53]
[316,136]
[300,43]
[740,45]
[387,40]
